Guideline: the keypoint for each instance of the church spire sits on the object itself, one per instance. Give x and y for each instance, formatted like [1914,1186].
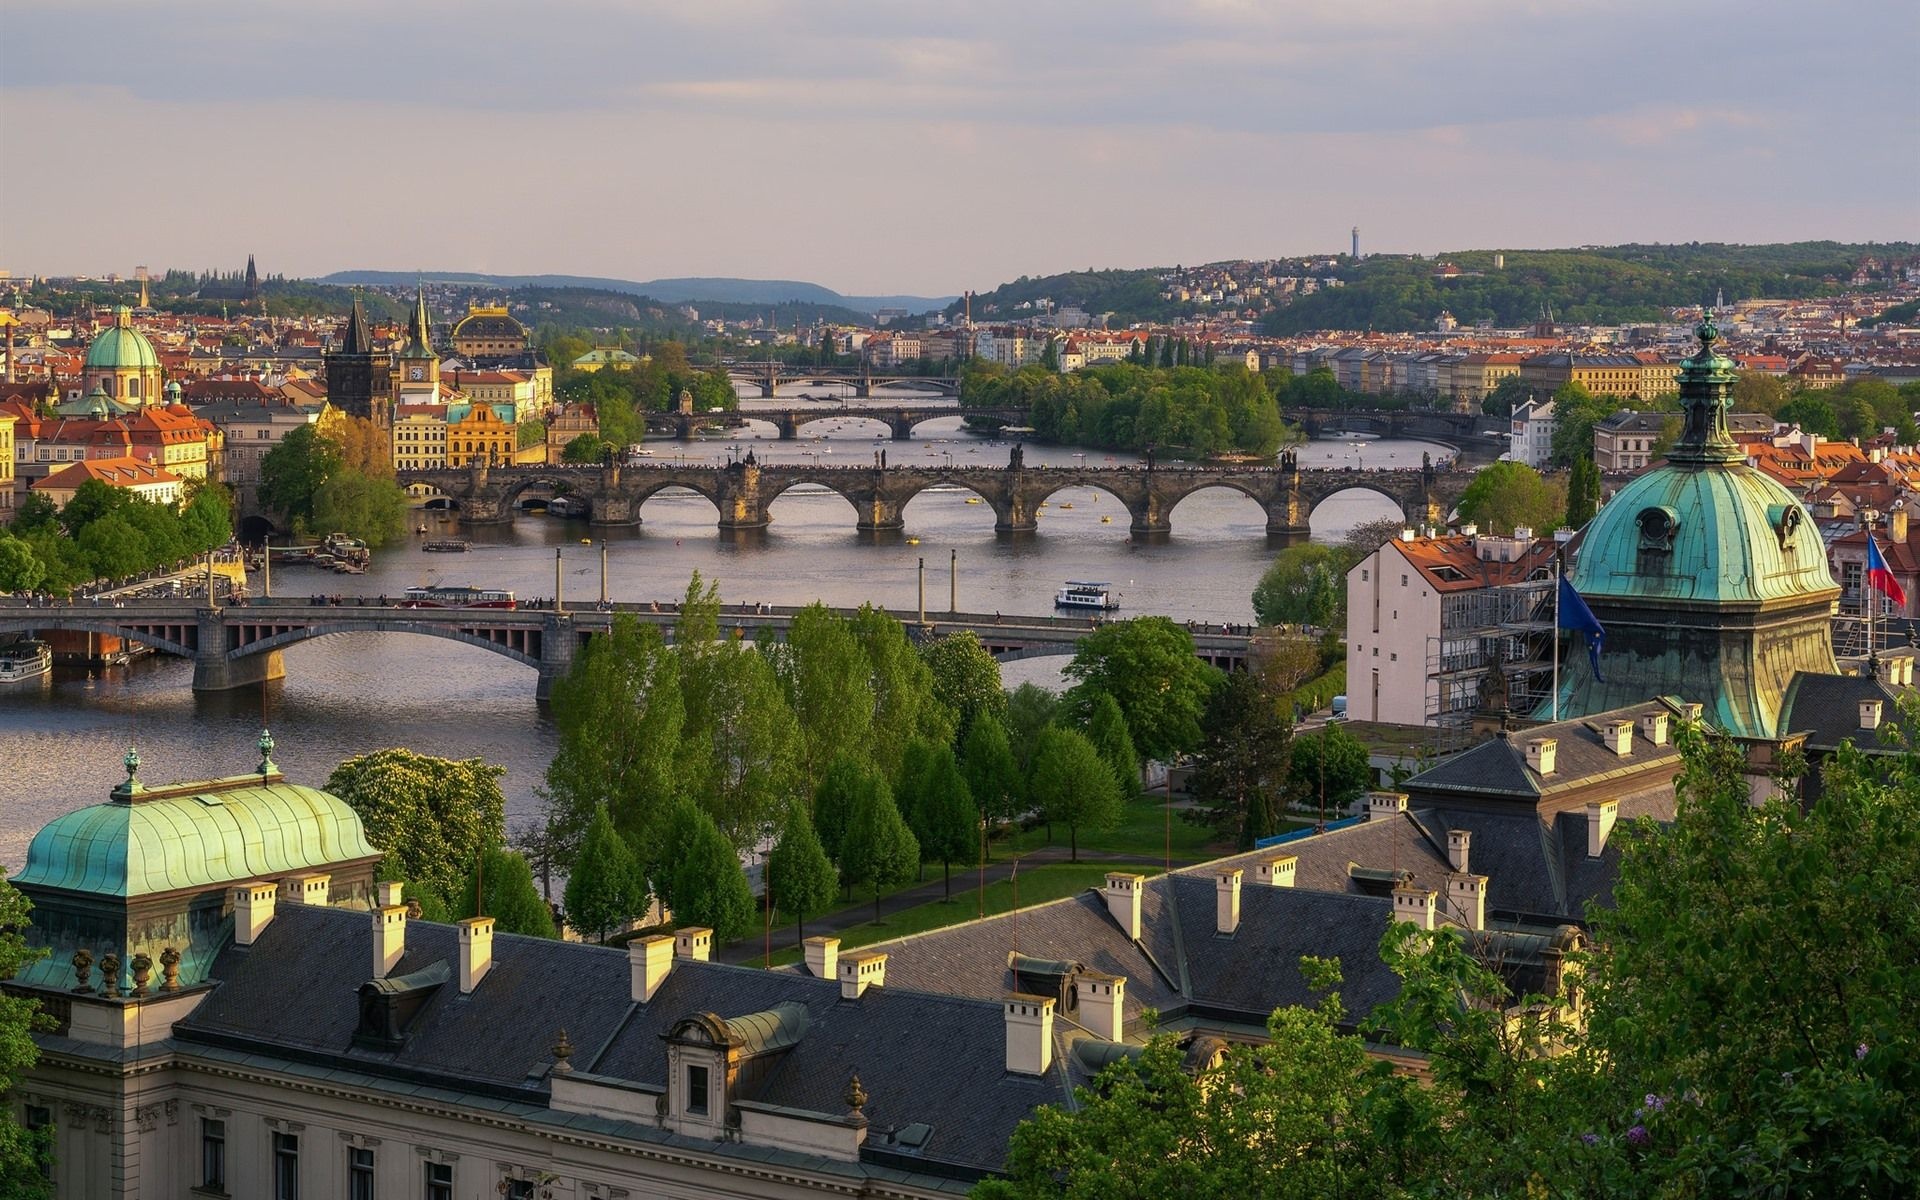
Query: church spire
[418,327]
[357,340]
[1706,390]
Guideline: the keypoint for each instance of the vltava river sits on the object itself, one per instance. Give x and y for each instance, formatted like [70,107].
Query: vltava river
[61,743]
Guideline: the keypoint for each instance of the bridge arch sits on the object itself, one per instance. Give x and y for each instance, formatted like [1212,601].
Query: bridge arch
[561,483]
[1260,514]
[846,489]
[675,487]
[70,620]
[1380,505]
[989,502]
[281,641]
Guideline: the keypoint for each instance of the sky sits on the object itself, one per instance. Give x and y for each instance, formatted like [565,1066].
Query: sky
[883,146]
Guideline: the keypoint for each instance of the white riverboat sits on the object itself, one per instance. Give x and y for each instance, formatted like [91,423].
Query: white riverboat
[24,660]
[1080,594]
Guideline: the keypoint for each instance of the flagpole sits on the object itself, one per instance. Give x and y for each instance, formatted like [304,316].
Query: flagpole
[1556,638]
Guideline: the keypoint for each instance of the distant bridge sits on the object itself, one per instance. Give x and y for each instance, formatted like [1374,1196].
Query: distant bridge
[742,491]
[240,645]
[862,379]
[1466,432]
[901,420]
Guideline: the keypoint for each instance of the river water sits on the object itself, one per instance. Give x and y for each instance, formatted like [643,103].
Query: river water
[61,741]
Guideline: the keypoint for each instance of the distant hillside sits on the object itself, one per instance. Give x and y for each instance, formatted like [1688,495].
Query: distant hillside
[1131,295]
[670,291]
[1592,285]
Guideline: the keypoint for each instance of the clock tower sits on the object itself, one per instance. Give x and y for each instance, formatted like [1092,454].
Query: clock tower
[416,374]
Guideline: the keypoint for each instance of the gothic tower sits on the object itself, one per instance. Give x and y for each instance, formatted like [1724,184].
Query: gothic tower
[356,384]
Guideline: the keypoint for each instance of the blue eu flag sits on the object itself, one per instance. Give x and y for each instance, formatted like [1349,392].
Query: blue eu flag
[1575,615]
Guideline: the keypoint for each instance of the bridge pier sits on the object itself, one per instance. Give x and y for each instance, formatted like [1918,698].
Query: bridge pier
[864,388]
[789,428]
[879,514]
[214,671]
[613,508]
[902,426]
[1283,534]
[739,500]
[557,643]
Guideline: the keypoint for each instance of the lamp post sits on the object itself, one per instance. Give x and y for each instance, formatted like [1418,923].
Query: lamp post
[559,604]
[603,572]
[953,582]
[923,590]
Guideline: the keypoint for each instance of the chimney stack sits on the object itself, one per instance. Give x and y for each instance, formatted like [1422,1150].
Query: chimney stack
[308,889]
[1653,727]
[651,960]
[1620,738]
[388,893]
[1897,525]
[823,957]
[695,942]
[1690,712]
[1600,817]
[1029,1034]
[861,970]
[1468,896]
[1226,901]
[1101,999]
[476,952]
[389,938]
[1540,755]
[1277,872]
[1123,900]
[1381,805]
[252,910]
[1870,714]
[1413,904]
[1459,841]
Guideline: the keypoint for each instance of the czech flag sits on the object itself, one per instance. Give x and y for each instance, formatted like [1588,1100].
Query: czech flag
[1576,616]
[1880,577]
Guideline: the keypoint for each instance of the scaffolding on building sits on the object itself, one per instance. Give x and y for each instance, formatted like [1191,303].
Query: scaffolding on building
[1494,651]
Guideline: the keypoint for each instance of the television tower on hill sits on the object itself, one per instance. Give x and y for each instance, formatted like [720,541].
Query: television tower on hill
[1356,243]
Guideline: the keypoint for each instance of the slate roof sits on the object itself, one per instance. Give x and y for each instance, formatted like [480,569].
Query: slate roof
[1498,768]
[1827,709]
[294,992]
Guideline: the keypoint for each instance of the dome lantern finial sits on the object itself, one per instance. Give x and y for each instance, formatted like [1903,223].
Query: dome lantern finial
[1706,392]
[132,786]
[265,746]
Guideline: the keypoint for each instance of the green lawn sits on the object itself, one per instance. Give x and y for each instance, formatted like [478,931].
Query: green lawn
[1049,881]
[1142,829]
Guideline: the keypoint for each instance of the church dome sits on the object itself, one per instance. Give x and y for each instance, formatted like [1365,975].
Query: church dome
[122,347]
[489,324]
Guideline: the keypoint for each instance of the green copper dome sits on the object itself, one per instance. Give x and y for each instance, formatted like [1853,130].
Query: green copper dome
[122,348]
[197,836]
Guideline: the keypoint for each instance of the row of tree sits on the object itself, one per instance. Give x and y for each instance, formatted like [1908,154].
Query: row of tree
[1124,406]
[108,533]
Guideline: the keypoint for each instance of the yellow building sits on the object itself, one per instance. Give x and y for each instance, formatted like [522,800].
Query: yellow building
[609,359]
[566,423]
[515,388]
[121,362]
[1619,375]
[6,462]
[419,437]
[480,431]
[1470,378]
[487,330]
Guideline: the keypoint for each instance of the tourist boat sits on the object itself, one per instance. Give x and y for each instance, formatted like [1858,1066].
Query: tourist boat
[24,660]
[1081,594]
[457,597]
[973,499]
[448,546]
[567,507]
[913,541]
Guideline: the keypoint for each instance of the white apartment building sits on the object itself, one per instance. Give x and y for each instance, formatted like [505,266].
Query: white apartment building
[1530,439]
[1430,618]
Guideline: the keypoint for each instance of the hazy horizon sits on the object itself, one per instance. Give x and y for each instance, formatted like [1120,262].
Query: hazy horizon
[884,149]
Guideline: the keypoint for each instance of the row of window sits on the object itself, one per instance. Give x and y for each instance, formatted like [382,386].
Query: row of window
[436,1178]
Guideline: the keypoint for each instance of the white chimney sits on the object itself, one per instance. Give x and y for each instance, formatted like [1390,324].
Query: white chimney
[861,970]
[1277,872]
[1469,529]
[1620,738]
[1690,712]
[476,952]
[389,938]
[651,961]
[1029,1034]
[1459,841]
[252,910]
[1226,901]
[1870,714]
[1467,894]
[1381,805]
[1413,904]
[695,942]
[1523,533]
[1653,727]
[1101,999]
[1123,893]
[388,893]
[823,956]
[1600,818]
[308,889]
[1540,755]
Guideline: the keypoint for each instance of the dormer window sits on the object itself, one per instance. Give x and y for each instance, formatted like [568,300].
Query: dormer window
[699,1083]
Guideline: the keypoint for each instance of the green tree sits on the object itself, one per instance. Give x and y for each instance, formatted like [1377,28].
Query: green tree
[1759,392]
[371,509]
[430,817]
[703,883]
[993,774]
[1071,785]
[1306,585]
[1148,666]
[608,887]
[904,704]
[206,520]
[825,674]
[505,885]
[839,793]
[1504,397]
[878,850]
[20,568]
[293,472]
[1575,412]
[1330,765]
[22,1151]
[949,827]
[618,713]
[800,877]
[1583,493]
[966,678]
[1812,414]
[113,548]
[1107,730]
[586,449]
[1507,495]
[1242,781]
[92,501]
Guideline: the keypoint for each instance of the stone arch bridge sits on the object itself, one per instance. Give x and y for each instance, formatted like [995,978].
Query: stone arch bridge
[744,490]
[766,376]
[900,420]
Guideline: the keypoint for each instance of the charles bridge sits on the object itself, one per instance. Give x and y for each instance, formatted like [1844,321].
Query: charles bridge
[767,376]
[743,490]
[239,645]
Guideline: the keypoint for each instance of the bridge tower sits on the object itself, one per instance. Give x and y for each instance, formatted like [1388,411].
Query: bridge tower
[740,504]
[1287,512]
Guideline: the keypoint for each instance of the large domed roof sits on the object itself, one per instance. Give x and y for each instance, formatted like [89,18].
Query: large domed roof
[495,323]
[122,348]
